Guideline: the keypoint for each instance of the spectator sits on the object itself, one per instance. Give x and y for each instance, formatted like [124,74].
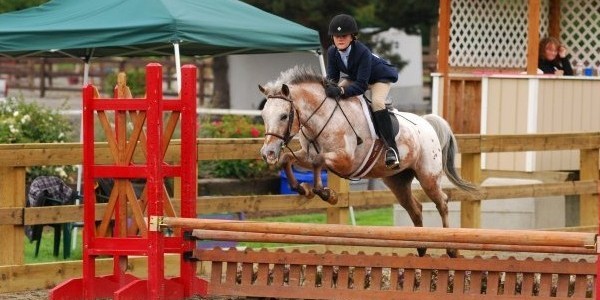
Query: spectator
[554,58]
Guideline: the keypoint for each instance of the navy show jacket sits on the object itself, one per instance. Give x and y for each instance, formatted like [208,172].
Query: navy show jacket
[364,68]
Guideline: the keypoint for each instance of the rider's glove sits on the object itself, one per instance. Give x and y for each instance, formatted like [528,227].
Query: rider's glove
[333,91]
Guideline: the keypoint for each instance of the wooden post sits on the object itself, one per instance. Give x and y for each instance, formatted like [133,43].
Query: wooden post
[470,210]
[43,76]
[443,36]
[533,36]
[12,194]
[338,215]
[554,19]
[177,188]
[589,170]
[444,52]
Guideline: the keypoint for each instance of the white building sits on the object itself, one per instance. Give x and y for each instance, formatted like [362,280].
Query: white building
[407,93]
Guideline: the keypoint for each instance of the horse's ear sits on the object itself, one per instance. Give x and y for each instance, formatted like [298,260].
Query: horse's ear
[285,90]
[262,89]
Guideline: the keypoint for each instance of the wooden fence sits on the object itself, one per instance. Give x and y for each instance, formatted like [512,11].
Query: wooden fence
[15,275]
[318,275]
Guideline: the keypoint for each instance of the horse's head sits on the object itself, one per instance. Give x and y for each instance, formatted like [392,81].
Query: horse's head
[281,122]
[295,93]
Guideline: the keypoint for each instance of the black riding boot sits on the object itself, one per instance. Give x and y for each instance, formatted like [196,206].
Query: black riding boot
[386,133]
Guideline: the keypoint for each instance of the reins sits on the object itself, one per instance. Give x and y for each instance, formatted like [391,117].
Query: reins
[287,136]
[313,141]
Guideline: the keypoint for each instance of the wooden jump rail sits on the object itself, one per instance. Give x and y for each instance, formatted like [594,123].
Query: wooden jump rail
[384,236]
[360,276]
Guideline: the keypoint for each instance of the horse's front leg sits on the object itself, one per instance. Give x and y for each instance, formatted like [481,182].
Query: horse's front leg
[341,162]
[287,160]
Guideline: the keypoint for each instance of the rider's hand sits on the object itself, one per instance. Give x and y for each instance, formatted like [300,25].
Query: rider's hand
[562,52]
[333,91]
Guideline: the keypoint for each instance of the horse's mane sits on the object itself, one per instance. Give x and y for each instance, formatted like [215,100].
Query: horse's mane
[295,75]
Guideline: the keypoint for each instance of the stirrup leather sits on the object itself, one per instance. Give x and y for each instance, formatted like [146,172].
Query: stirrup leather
[391,158]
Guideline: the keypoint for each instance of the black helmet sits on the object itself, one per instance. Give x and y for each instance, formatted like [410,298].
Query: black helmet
[343,24]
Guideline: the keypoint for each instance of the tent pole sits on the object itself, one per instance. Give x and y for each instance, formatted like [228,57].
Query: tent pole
[86,80]
[86,72]
[177,65]
[321,61]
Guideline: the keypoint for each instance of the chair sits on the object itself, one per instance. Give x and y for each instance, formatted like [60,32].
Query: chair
[51,191]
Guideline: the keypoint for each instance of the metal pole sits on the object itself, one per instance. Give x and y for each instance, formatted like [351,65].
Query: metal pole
[86,80]
[177,65]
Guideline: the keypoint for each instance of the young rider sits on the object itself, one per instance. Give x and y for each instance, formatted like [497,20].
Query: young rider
[364,71]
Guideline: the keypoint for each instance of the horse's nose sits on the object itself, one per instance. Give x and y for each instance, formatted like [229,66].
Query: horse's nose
[264,156]
[270,153]
[264,153]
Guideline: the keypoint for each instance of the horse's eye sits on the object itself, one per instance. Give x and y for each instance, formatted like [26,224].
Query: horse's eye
[283,117]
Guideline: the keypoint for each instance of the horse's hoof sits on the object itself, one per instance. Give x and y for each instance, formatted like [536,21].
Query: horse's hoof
[327,195]
[452,253]
[422,251]
[307,190]
[333,197]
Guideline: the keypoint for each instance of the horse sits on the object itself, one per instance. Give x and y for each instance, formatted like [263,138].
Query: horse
[336,134]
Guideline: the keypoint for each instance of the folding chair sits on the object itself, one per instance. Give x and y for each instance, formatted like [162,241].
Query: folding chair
[51,191]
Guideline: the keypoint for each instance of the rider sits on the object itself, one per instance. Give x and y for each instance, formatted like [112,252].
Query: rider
[363,70]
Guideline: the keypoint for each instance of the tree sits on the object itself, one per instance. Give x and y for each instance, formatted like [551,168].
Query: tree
[413,16]
[12,5]
[410,15]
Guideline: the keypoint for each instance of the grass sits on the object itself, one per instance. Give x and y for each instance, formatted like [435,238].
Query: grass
[47,247]
[372,217]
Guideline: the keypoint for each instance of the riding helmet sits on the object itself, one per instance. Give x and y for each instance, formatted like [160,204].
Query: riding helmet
[343,24]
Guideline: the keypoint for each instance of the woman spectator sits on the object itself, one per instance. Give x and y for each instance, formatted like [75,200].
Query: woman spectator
[554,58]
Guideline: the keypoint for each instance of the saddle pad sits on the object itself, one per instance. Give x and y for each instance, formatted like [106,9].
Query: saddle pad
[369,160]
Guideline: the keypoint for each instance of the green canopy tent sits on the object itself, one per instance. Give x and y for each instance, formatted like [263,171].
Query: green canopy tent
[90,28]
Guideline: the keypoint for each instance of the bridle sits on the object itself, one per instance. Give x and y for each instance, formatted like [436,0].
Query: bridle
[287,136]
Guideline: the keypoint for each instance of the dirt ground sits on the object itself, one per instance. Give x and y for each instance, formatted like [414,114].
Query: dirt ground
[26,295]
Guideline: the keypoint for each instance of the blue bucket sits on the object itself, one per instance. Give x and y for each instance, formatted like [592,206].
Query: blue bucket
[301,176]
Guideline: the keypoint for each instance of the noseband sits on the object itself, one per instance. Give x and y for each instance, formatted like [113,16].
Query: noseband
[287,136]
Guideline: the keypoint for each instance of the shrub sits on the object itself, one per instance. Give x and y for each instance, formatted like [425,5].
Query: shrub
[22,122]
[232,127]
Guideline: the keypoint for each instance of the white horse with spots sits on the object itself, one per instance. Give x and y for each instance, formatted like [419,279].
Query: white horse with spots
[339,136]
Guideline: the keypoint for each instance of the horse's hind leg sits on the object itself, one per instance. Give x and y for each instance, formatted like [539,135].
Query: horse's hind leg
[433,189]
[400,185]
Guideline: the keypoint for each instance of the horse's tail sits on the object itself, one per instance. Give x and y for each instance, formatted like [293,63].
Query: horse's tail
[449,150]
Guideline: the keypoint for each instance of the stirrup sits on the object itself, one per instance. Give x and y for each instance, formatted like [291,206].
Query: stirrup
[391,159]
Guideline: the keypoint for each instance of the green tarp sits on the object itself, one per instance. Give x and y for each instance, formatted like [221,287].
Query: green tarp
[98,28]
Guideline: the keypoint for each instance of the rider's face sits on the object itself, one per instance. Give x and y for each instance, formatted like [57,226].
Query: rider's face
[551,51]
[342,41]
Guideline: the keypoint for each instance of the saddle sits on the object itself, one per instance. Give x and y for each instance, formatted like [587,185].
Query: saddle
[376,148]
